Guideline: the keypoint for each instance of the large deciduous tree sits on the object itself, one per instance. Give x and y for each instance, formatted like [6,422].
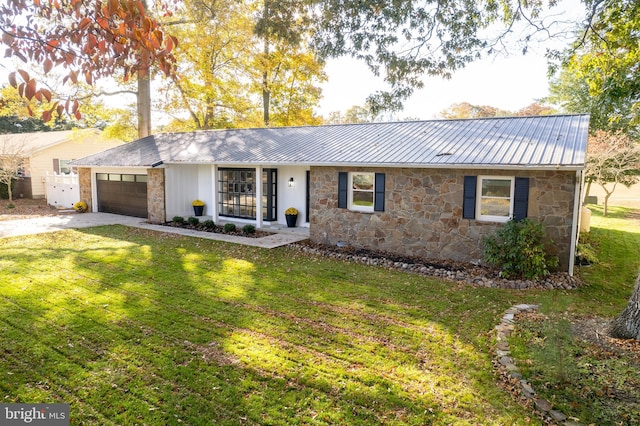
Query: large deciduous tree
[290,71]
[353,115]
[602,75]
[88,39]
[467,110]
[403,40]
[627,324]
[613,159]
[213,64]
[238,69]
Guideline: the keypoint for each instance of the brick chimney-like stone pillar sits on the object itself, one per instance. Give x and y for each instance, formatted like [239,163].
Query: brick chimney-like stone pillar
[84,180]
[155,196]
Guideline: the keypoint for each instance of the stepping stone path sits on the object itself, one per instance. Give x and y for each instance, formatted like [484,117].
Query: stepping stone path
[507,366]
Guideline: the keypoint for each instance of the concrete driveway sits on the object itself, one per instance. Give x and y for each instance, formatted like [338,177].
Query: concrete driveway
[14,228]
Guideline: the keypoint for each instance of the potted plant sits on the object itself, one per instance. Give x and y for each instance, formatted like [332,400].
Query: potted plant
[198,207]
[291,214]
[80,207]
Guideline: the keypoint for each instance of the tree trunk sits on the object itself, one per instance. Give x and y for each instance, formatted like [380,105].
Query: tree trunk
[144,106]
[586,193]
[627,324]
[265,97]
[266,92]
[9,191]
[606,198]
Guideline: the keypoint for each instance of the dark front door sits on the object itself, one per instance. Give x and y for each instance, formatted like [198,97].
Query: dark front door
[123,194]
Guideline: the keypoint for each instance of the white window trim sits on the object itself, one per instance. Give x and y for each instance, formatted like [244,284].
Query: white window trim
[64,161]
[356,208]
[490,218]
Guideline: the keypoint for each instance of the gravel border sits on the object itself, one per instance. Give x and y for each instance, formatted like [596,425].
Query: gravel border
[459,272]
[511,375]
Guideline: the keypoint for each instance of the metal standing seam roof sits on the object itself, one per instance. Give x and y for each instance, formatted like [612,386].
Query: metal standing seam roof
[557,141]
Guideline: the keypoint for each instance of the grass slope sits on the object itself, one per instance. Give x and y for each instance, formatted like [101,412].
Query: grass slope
[136,327]
[590,379]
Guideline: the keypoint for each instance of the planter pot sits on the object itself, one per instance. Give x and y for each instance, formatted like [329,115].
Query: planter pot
[291,220]
[198,210]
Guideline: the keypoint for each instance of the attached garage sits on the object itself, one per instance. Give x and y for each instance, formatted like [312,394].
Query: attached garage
[124,194]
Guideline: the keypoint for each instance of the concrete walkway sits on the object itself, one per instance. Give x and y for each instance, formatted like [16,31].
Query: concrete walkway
[14,228]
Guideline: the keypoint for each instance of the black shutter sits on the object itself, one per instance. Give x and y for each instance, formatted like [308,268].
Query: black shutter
[56,165]
[520,198]
[469,194]
[378,204]
[343,183]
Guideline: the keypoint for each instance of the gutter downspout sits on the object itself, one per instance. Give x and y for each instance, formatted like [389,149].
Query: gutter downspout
[577,218]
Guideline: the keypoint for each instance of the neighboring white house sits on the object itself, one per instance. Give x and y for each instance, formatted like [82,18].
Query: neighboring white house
[51,152]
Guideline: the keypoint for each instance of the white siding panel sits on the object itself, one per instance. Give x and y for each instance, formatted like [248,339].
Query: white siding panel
[181,188]
[294,196]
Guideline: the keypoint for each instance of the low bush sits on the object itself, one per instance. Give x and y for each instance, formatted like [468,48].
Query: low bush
[586,254]
[178,220]
[518,249]
[193,221]
[80,207]
[208,224]
[249,229]
[229,227]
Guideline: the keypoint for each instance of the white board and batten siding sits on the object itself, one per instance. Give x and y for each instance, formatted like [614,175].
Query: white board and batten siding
[185,183]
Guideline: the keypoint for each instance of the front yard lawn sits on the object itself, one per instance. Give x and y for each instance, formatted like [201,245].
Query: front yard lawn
[137,327]
[566,354]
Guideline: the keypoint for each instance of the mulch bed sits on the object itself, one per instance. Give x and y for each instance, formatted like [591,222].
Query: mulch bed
[25,208]
[218,229]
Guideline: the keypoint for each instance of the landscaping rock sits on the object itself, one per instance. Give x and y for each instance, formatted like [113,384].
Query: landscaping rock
[505,360]
[510,371]
[543,405]
[460,272]
[527,390]
[515,375]
[558,416]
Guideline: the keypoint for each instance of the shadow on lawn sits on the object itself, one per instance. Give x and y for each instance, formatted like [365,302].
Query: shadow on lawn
[154,329]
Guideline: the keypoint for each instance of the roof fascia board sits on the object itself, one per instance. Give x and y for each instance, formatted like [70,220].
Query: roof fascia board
[387,165]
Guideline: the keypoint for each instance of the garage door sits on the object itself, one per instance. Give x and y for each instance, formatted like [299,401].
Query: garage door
[123,194]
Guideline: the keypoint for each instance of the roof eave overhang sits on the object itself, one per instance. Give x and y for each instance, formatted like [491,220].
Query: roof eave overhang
[567,167]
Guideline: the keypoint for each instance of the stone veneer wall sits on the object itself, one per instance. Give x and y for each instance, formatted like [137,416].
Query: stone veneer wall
[423,212]
[84,180]
[155,196]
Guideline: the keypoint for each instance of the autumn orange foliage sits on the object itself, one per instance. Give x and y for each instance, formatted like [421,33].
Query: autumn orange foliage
[90,39]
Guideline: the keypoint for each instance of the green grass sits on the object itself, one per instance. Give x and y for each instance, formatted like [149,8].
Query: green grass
[136,327]
[584,380]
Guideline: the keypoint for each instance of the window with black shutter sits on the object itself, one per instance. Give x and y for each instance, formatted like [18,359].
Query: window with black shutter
[361,191]
[495,198]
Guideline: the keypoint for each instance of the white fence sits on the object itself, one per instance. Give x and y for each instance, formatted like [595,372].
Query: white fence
[63,191]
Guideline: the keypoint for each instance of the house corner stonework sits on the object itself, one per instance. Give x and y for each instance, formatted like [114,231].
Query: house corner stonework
[84,180]
[156,195]
[423,213]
